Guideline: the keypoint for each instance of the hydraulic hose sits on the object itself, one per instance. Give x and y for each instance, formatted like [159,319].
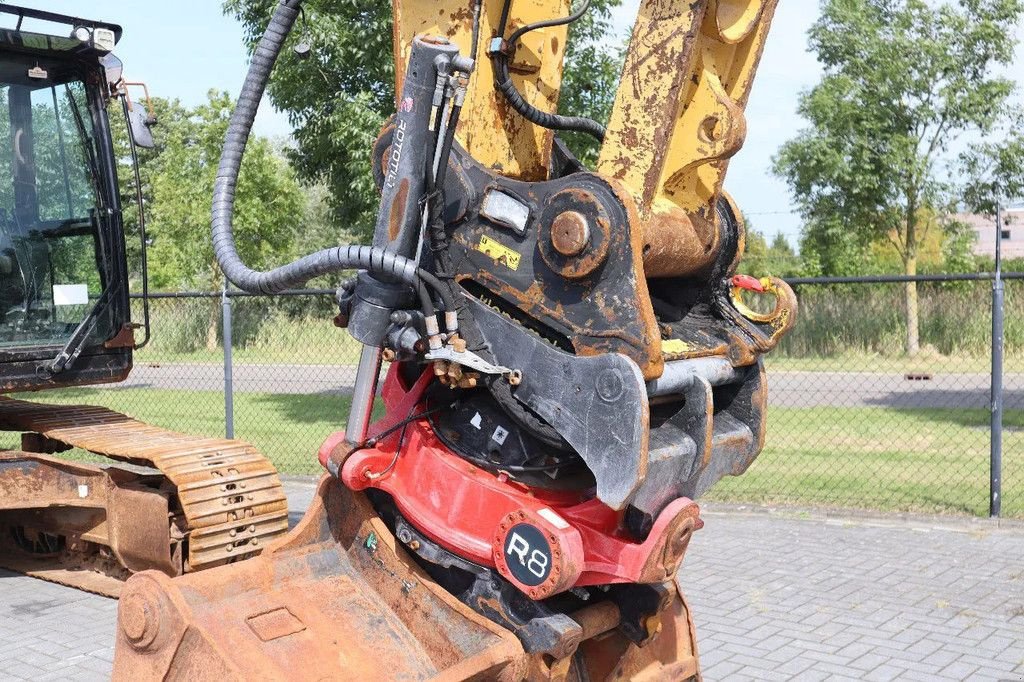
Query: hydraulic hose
[503,79]
[375,260]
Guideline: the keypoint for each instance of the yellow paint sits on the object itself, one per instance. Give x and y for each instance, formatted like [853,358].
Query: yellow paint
[491,131]
[499,252]
[678,115]
[674,347]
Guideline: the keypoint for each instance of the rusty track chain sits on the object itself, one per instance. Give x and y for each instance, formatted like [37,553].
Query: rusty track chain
[230,494]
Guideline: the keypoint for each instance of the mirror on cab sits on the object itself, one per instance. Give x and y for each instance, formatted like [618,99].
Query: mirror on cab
[140,118]
[139,123]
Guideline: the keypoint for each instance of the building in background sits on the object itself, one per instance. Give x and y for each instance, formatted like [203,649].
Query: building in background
[984,228]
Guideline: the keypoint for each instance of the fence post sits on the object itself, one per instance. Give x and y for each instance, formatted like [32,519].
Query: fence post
[229,388]
[996,452]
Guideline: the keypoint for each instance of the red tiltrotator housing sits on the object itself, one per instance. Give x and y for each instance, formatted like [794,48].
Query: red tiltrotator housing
[543,541]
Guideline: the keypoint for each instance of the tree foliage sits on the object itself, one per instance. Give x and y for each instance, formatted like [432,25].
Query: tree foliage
[179,175]
[338,99]
[776,258]
[907,83]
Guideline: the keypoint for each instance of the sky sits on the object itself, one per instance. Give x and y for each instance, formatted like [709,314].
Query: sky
[180,48]
[786,69]
[183,48]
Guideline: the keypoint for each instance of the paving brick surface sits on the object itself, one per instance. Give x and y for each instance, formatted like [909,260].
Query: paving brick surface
[814,597]
[774,597]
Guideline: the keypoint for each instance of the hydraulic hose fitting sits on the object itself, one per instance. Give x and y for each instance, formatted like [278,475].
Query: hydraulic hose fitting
[451,321]
[433,333]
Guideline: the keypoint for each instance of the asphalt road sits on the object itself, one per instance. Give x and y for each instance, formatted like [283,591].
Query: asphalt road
[786,389]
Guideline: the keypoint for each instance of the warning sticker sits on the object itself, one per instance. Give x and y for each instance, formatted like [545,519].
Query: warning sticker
[499,252]
[499,436]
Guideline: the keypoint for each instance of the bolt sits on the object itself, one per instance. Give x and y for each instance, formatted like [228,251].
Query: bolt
[140,620]
[388,355]
[570,233]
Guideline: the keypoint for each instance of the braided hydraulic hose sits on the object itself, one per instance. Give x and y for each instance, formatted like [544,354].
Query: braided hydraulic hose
[375,260]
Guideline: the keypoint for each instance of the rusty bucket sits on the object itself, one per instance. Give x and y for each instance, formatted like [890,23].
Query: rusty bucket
[339,598]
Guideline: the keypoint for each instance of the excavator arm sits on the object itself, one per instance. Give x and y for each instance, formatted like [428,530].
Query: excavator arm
[571,365]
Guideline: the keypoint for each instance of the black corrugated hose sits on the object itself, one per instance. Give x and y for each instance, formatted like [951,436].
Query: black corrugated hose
[375,260]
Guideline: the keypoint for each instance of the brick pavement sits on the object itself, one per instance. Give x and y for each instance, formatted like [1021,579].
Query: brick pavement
[784,596]
[775,596]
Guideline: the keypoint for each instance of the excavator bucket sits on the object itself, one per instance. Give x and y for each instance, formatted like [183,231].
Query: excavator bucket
[339,598]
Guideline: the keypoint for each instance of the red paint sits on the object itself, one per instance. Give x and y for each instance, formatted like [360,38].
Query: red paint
[468,510]
[749,283]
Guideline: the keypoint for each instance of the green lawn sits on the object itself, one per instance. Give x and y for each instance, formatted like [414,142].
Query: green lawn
[925,460]
[286,428]
[921,460]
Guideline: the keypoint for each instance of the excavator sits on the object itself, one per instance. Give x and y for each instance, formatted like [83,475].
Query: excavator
[161,501]
[569,359]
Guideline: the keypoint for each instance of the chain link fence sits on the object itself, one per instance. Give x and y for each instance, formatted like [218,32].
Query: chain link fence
[853,420]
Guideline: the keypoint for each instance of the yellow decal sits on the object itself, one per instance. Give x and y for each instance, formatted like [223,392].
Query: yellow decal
[499,252]
[673,346]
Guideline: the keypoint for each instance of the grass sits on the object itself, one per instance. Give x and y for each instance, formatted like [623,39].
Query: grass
[873,363]
[286,428]
[916,460]
[887,459]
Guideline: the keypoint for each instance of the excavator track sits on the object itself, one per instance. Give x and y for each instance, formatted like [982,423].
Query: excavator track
[224,500]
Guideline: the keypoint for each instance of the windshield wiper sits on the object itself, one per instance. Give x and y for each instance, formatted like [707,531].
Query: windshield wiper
[86,142]
[76,344]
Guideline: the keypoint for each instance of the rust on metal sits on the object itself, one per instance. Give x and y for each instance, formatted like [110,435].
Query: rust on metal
[125,338]
[82,525]
[340,597]
[228,496]
[570,233]
[492,131]
[678,118]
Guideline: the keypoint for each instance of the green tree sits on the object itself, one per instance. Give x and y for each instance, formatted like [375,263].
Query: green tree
[762,257]
[904,82]
[179,179]
[591,76]
[337,100]
[169,114]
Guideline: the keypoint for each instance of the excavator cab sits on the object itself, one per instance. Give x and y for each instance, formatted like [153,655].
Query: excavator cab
[169,501]
[64,304]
